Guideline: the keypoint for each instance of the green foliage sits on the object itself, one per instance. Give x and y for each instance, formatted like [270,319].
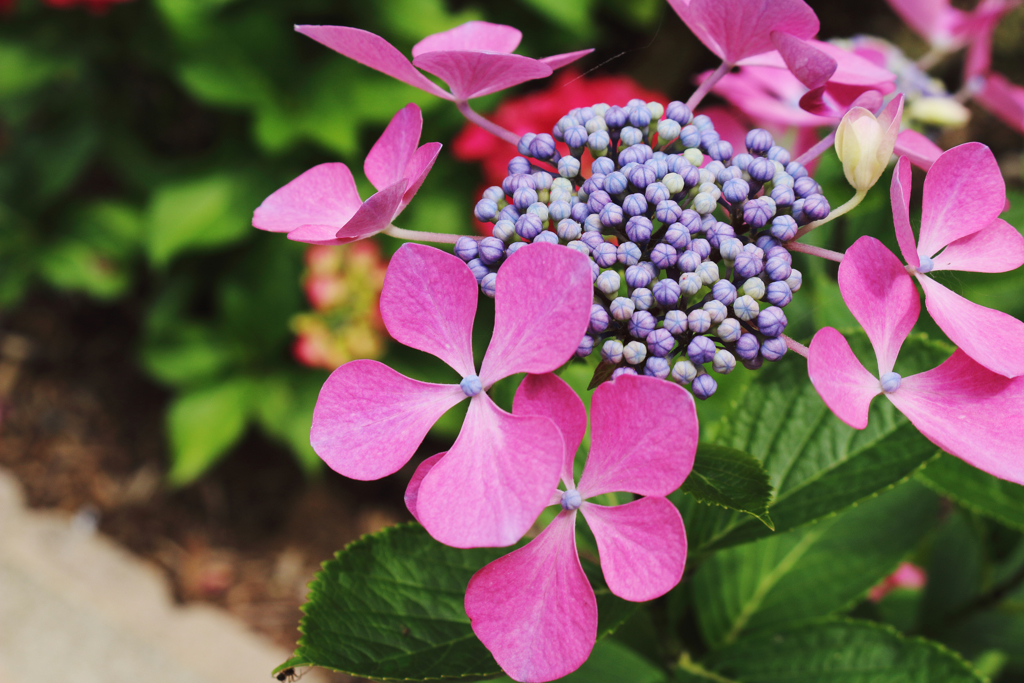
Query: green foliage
[732,479]
[203,425]
[975,490]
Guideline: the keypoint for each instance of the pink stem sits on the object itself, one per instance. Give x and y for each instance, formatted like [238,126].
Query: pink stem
[817,150]
[796,347]
[491,127]
[802,248]
[421,236]
[706,86]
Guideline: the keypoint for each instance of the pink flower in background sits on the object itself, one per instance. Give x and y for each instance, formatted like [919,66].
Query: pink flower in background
[1003,99]
[964,194]
[534,609]
[474,59]
[322,206]
[908,576]
[498,476]
[947,28]
[962,407]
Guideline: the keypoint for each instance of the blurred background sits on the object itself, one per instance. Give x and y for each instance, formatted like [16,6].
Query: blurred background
[160,358]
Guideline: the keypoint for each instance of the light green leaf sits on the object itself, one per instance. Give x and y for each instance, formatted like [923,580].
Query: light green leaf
[414,19]
[811,572]
[76,266]
[284,408]
[732,479]
[975,490]
[22,70]
[192,355]
[203,425]
[229,82]
[572,16]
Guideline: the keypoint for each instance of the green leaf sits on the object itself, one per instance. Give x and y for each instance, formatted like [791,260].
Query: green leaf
[838,651]
[816,464]
[191,355]
[22,70]
[732,479]
[390,607]
[76,266]
[203,425]
[284,407]
[571,16]
[975,490]
[811,572]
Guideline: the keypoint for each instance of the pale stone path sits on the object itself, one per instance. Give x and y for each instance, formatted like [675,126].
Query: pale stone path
[77,608]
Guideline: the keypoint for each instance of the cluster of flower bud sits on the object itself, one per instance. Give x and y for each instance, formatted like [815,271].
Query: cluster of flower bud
[686,239]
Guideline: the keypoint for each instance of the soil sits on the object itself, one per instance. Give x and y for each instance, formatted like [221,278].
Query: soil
[82,428]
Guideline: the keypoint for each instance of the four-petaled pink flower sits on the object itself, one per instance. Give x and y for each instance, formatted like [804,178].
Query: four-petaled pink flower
[534,609]
[498,476]
[964,194]
[962,407]
[474,59]
[322,206]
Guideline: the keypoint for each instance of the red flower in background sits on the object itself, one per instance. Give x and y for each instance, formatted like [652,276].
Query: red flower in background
[94,6]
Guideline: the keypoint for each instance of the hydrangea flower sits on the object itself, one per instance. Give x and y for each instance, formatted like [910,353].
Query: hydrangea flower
[473,59]
[534,609]
[322,206]
[961,406]
[497,477]
[964,194]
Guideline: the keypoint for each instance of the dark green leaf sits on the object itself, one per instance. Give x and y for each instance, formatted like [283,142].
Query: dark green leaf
[732,479]
[975,490]
[602,374]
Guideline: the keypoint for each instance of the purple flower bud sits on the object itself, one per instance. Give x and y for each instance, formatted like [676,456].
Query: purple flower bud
[783,196]
[678,236]
[718,232]
[485,210]
[784,228]
[720,150]
[689,136]
[638,276]
[676,322]
[471,385]
[771,321]
[524,197]
[585,347]
[657,367]
[518,165]
[805,187]
[631,154]
[593,224]
[488,284]
[773,349]
[568,230]
[619,372]
[724,291]
[490,250]
[778,293]
[741,161]
[797,211]
[559,211]
[660,342]
[628,254]
[663,255]
[756,213]
[615,117]
[666,292]
[796,169]
[891,382]
[615,183]
[516,246]
[735,190]
[657,193]
[630,137]
[816,207]
[529,226]
[795,280]
[729,247]
[576,138]
[593,184]
[640,117]
[602,165]
[698,321]
[700,350]
[605,254]
[504,230]
[760,169]
[547,237]
[611,351]
[747,265]
[689,260]
[611,215]
[642,299]
[745,307]
[597,200]
[641,324]
[781,252]
[634,353]
[708,137]
[717,310]
[568,167]
[684,372]
[598,318]
[678,112]
[747,347]
[477,267]
[701,247]
[466,248]
[638,229]
[543,147]
[642,176]
[542,180]
[764,243]
[779,154]
[592,239]
[524,145]
[777,268]
[634,205]
[579,212]
[759,141]
[668,212]
[713,169]
[691,220]
[621,309]
[729,330]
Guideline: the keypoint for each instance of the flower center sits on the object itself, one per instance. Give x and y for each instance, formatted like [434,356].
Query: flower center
[891,382]
[927,265]
[471,385]
[571,500]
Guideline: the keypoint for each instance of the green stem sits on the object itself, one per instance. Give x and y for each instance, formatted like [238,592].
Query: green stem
[836,213]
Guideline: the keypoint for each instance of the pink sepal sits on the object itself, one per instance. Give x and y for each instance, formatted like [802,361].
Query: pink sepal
[969,412]
[881,295]
[899,195]
[418,168]
[549,396]
[369,420]
[1004,99]
[375,214]
[643,437]
[412,491]
[428,302]
[992,338]
[558,61]
[534,609]
[495,480]
[322,199]
[475,74]
[642,545]
[811,66]
[473,35]
[921,151]
[995,249]
[386,161]
[843,383]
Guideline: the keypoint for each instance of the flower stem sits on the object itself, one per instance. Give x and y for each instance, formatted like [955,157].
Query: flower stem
[930,59]
[421,236]
[491,127]
[845,208]
[796,347]
[817,150]
[706,86]
[802,248]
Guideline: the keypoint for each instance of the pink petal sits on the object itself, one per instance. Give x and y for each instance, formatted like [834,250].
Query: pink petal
[412,492]
[318,234]
[324,197]
[475,74]
[899,195]
[995,249]
[495,480]
[386,162]
[373,51]
[881,296]
[642,546]
[549,396]
[369,420]
[851,68]
[964,176]
[734,29]
[921,151]
[643,437]
[428,302]
[542,309]
[839,378]
[375,214]
[767,95]
[890,118]
[811,66]
[969,412]
[928,18]
[558,61]
[534,608]
[992,338]
[479,36]
[417,169]
[1004,99]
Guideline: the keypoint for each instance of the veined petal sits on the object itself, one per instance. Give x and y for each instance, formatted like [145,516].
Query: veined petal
[921,151]
[534,609]
[966,176]
[549,396]
[324,197]
[899,195]
[428,302]
[495,480]
[643,437]
[375,214]
[970,412]
[992,338]
[882,297]
[843,383]
[412,491]
[373,51]
[417,169]
[642,545]
[994,249]
[480,36]
[811,66]
[385,164]
[558,61]
[369,420]
[475,74]
[542,309]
